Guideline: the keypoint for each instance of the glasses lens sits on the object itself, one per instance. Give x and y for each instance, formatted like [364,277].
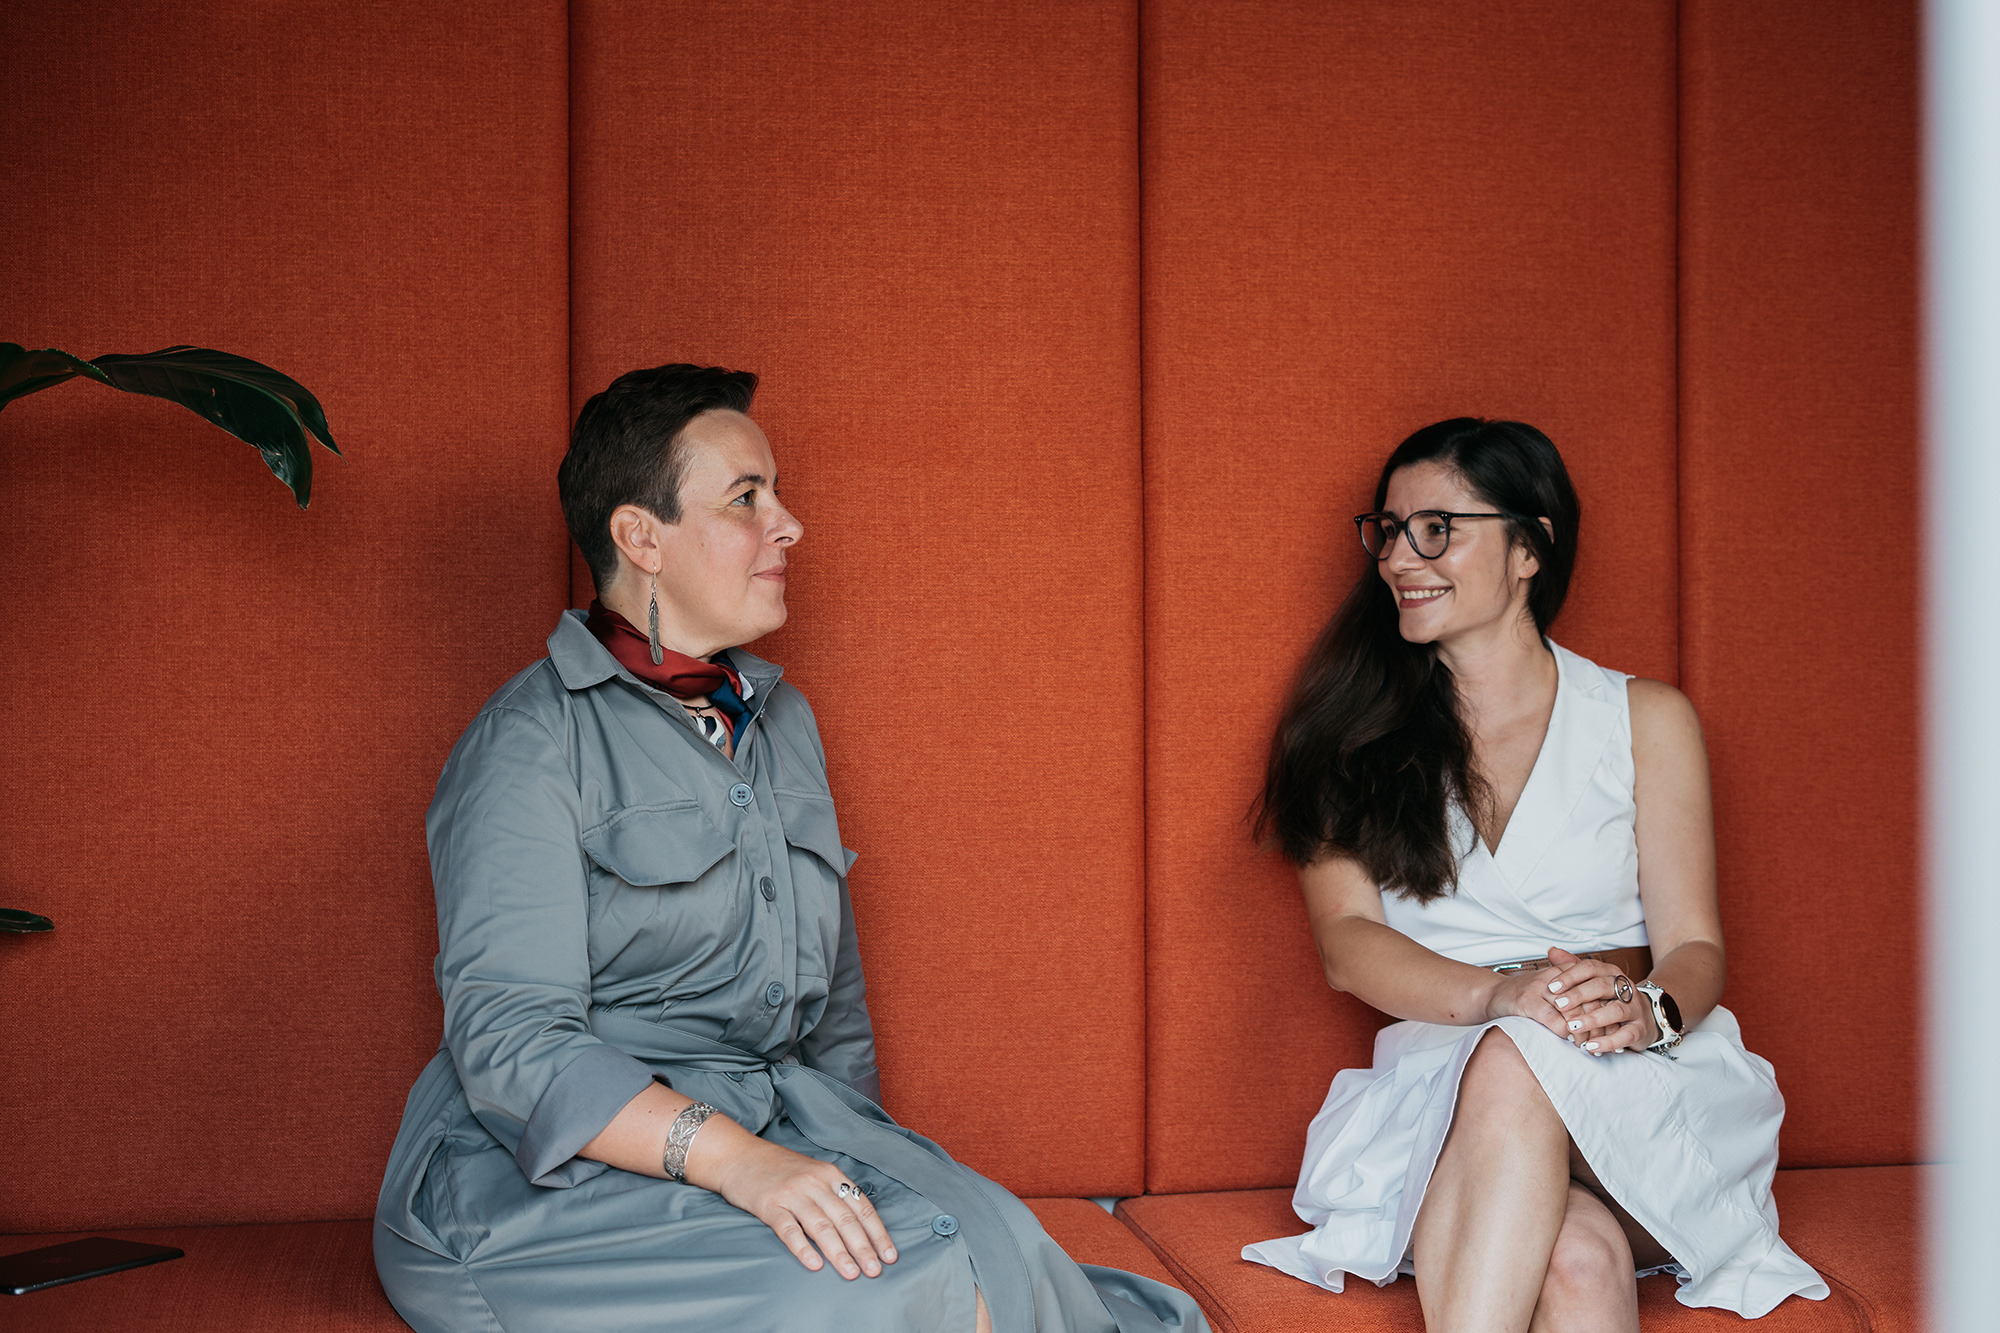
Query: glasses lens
[1376,534]
[1429,533]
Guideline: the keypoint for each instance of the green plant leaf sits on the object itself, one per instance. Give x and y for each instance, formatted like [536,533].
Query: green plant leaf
[23,923]
[22,372]
[261,406]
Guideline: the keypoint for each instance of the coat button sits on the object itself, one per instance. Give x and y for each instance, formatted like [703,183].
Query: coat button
[767,888]
[945,1224]
[740,794]
[774,994]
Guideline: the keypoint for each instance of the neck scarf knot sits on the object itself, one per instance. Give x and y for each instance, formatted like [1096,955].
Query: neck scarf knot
[684,677]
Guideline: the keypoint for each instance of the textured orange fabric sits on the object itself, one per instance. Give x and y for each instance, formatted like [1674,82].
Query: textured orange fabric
[1362,218]
[320,1277]
[1862,1228]
[305,1277]
[1200,1239]
[918,223]
[223,717]
[1799,622]
[1857,1225]
[1090,1235]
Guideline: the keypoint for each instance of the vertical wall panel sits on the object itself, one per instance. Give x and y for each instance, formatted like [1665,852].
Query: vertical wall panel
[919,224]
[223,718]
[1799,483]
[1359,219]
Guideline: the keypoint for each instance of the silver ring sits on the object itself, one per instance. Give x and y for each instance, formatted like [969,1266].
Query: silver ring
[1622,988]
[847,1191]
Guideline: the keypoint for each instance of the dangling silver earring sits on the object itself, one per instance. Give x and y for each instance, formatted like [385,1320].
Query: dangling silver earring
[653,624]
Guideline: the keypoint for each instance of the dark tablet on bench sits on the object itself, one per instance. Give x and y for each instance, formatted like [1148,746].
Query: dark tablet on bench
[74,1260]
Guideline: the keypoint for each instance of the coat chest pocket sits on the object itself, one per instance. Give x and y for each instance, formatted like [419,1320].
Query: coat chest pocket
[656,846]
[810,826]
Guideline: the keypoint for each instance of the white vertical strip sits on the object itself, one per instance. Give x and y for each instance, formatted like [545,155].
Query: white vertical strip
[1962,525]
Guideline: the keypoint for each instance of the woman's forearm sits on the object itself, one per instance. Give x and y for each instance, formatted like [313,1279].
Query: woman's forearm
[636,1138]
[1693,973]
[1385,968]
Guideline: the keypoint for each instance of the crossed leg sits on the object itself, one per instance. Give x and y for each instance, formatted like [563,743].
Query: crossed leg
[1514,1233]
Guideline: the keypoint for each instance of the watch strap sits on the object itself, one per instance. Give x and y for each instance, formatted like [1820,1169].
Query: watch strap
[1670,1036]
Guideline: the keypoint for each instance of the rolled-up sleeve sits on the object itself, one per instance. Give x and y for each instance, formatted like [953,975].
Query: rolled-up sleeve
[513,964]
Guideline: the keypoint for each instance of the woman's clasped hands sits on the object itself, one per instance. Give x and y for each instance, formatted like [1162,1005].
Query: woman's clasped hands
[1585,1001]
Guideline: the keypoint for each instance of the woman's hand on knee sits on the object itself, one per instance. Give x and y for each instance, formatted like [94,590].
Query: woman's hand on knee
[810,1205]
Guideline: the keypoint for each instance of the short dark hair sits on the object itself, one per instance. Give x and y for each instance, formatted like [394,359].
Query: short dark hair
[626,450]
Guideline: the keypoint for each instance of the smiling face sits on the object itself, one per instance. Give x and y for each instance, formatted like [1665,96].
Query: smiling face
[721,568]
[1478,586]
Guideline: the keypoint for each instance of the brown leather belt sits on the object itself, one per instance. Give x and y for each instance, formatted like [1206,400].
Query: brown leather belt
[1636,963]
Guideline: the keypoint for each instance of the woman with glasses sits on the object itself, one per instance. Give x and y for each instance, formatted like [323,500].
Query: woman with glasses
[1510,849]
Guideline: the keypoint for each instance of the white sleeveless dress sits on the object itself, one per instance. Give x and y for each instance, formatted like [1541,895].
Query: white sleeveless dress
[1686,1145]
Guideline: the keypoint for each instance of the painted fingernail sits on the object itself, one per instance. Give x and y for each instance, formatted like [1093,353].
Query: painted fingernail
[1590,1046]
[1563,1003]
[1576,1025]
[1555,985]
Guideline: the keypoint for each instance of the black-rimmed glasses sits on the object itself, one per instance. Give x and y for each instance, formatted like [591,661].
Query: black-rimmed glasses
[1428,530]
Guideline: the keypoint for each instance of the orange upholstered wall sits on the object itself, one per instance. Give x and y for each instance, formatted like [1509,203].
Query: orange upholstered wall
[1361,219]
[224,717]
[1084,327]
[920,223]
[1799,593]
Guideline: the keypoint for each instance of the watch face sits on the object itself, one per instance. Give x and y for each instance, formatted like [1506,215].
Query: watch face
[1673,1013]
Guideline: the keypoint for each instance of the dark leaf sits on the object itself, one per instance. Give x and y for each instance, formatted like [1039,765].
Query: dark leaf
[251,401]
[23,923]
[22,372]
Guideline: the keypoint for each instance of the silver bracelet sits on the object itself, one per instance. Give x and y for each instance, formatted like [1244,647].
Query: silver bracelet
[680,1136]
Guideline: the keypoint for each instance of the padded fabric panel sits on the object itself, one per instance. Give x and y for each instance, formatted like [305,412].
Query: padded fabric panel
[919,224]
[1858,1226]
[1799,453]
[320,1277]
[1863,1229]
[220,718]
[1090,1235]
[305,1277]
[1362,218]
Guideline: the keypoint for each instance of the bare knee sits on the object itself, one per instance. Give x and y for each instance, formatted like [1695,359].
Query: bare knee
[1498,1078]
[1591,1258]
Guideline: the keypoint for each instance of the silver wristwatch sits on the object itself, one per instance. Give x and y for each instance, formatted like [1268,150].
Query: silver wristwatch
[1667,1016]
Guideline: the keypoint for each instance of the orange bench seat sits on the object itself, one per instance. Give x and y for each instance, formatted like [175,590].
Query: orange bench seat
[1857,1225]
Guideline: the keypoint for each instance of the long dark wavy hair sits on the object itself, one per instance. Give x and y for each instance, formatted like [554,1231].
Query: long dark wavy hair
[1372,753]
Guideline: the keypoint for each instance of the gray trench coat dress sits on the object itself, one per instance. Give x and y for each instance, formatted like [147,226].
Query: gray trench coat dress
[618,901]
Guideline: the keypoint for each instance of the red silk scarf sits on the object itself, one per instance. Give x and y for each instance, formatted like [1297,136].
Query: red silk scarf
[678,674]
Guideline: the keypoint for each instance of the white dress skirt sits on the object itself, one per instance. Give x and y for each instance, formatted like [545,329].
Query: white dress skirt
[1686,1145]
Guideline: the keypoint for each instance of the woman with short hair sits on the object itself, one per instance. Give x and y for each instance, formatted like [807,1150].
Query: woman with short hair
[655,1105]
[1510,849]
